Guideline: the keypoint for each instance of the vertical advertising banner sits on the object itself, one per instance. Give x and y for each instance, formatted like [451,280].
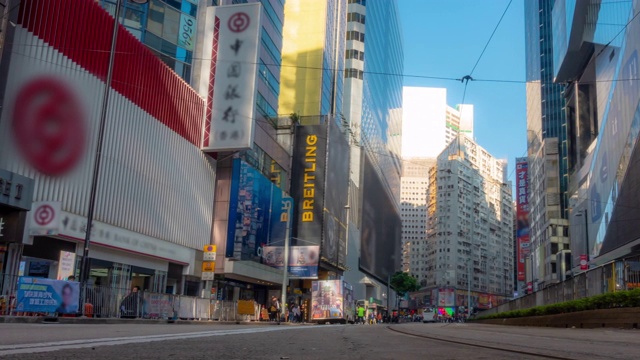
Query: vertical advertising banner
[66,265]
[308,182]
[522,215]
[336,197]
[255,213]
[231,88]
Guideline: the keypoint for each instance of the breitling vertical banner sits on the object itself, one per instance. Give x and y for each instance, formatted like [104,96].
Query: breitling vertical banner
[232,75]
[308,181]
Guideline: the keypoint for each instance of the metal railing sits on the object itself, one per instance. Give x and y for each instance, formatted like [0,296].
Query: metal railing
[611,277]
[109,302]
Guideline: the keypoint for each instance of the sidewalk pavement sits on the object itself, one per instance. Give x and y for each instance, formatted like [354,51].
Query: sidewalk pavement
[87,320]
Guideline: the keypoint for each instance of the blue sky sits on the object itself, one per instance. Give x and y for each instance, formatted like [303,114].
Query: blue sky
[444,38]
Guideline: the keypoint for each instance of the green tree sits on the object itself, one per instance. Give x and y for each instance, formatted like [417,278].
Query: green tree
[403,283]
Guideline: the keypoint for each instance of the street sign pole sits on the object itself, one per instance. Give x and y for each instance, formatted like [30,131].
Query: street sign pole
[285,269]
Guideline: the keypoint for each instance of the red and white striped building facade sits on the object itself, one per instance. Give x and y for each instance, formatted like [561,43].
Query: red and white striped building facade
[155,197]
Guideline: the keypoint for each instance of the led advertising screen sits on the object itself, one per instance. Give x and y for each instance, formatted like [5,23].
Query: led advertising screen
[381,227]
[522,215]
[255,213]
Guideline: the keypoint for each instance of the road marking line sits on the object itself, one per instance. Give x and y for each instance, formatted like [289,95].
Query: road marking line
[87,343]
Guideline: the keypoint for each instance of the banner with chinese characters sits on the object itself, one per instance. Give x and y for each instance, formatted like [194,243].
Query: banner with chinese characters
[228,77]
[522,215]
[47,295]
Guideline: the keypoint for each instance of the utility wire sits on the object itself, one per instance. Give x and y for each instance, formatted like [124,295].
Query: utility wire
[491,37]
[618,34]
[417,76]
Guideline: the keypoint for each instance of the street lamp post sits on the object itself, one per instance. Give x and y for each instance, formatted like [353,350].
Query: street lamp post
[285,270]
[586,233]
[84,265]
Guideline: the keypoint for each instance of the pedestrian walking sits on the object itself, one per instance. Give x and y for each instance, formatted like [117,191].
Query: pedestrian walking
[274,309]
[296,313]
[361,312]
[130,306]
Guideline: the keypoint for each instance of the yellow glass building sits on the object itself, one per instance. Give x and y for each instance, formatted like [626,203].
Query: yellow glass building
[311,79]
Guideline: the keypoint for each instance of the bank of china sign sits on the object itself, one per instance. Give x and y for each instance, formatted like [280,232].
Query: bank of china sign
[229,78]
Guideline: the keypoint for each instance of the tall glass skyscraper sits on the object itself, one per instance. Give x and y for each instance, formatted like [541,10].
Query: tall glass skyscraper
[167,27]
[312,57]
[546,147]
[596,46]
[373,110]
[373,100]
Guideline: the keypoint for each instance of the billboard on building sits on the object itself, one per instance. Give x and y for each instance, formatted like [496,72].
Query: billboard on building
[229,76]
[303,260]
[307,182]
[522,216]
[256,206]
[381,226]
[336,197]
[320,182]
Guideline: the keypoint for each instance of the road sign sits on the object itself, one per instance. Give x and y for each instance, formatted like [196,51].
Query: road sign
[208,266]
[584,263]
[208,275]
[209,253]
[45,218]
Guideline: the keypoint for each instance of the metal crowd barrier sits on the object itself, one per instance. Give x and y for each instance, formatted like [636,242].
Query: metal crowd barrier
[611,277]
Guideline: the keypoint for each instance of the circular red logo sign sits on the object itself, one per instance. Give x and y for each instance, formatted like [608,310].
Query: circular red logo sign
[239,22]
[49,126]
[44,215]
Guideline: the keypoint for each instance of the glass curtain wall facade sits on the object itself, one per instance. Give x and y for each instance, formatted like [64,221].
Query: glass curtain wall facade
[546,119]
[382,94]
[313,58]
[597,48]
[167,27]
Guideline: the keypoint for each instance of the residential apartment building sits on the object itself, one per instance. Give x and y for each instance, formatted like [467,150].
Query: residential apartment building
[548,230]
[429,124]
[470,227]
[413,211]
[546,119]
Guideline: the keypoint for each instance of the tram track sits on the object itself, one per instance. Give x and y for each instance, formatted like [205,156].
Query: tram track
[481,346]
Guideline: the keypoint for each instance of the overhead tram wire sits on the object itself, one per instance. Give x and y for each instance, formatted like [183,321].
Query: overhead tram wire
[490,37]
[465,79]
[416,76]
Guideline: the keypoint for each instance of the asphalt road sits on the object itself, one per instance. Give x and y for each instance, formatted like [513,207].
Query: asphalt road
[414,341]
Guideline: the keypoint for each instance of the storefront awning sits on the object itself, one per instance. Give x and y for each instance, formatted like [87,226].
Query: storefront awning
[368,282]
[253,272]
